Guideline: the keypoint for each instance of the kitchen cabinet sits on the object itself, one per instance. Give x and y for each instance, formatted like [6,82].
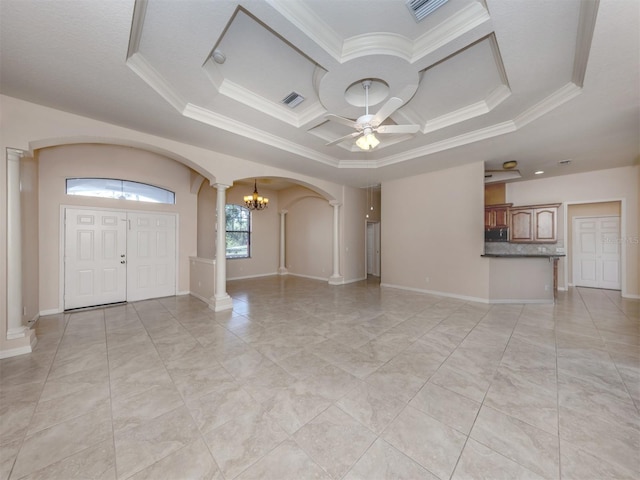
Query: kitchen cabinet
[534,224]
[497,216]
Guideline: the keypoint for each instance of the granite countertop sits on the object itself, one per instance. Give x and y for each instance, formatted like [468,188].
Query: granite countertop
[524,255]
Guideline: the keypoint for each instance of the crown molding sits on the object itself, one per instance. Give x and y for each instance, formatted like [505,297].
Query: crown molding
[203,115]
[463,22]
[313,26]
[141,67]
[553,101]
[586,26]
[137,25]
[377,44]
[447,144]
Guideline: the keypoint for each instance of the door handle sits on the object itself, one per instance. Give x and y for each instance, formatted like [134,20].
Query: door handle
[122,256]
[122,261]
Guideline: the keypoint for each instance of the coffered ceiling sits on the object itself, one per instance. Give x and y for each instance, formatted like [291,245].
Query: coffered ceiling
[539,82]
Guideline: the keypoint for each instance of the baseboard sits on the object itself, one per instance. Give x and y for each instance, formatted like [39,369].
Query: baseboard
[631,296]
[183,292]
[468,298]
[14,352]
[437,293]
[52,311]
[325,279]
[354,280]
[530,301]
[253,276]
[200,297]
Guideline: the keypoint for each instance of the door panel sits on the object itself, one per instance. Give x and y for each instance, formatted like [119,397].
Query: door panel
[94,241]
[596,252]
[151,269]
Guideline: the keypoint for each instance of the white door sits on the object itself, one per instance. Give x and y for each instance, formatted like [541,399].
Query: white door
[596,252]
[94,258]
[373,249]
[151,252]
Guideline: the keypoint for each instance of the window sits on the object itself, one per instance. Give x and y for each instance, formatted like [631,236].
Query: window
[119,189]
[238,231]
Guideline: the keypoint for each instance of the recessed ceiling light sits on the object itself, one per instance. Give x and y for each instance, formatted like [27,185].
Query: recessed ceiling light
[509,164]
[539,172]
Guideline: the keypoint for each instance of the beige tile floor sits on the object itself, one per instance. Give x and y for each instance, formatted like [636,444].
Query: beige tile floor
[308,381]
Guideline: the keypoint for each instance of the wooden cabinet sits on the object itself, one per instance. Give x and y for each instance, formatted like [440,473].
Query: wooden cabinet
[534,224]
[496,216]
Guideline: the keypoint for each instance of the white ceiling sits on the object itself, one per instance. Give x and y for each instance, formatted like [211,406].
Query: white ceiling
[535,81]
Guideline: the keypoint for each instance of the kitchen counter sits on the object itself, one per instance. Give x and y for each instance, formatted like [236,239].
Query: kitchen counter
[553,257]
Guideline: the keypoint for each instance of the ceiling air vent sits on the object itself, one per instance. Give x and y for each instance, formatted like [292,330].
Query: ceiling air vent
[422,8]
[564,163]
[293,99]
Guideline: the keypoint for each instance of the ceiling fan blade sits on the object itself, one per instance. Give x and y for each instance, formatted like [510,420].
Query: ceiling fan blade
[398,128]
[342,139]
[342,120]
[387,109]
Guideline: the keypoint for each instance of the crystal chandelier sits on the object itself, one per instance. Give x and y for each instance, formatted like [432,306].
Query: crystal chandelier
[255,201]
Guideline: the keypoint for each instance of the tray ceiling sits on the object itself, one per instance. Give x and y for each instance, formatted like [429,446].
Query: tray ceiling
[472,74]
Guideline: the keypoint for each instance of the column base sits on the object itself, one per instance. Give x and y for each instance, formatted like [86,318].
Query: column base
[282,271]
[336,280]
[19,346]
[18,332]
[220,304]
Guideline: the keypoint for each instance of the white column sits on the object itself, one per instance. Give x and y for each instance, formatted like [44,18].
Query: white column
[15,329]
[282,270]
[336,278]
[221,300]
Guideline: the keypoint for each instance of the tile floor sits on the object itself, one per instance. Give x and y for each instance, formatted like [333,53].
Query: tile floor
[308,381]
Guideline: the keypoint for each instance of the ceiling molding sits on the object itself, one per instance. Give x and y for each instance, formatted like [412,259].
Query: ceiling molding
[203,115]
[458,141]
[311,25]
[495,97]
[381,43]
[137,25]
[141,67]
[463,22]
[553,101]
[247,97]
[586,26]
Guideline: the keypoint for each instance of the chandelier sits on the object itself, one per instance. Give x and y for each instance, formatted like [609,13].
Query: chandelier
[255,201]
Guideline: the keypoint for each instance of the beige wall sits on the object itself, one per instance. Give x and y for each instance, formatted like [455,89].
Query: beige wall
[30,255]
[309,233]
[354,231]
[591,187]
[206,221]
[432,226]
[265,236]
[107,161]
[586,210]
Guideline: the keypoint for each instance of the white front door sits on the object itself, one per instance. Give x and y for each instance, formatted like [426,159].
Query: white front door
[94,254]
[117,256]
[151,248]
[596,252]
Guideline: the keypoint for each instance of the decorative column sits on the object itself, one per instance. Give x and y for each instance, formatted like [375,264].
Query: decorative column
[282,270]
[336,278]
[15,328]
[221,300]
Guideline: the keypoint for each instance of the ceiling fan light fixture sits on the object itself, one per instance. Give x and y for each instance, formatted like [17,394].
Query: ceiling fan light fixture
[368,141]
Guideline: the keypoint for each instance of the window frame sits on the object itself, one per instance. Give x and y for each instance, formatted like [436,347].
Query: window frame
[248,232]
[123,183]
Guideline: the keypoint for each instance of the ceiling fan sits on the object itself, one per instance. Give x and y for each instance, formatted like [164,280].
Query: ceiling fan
[368,125]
